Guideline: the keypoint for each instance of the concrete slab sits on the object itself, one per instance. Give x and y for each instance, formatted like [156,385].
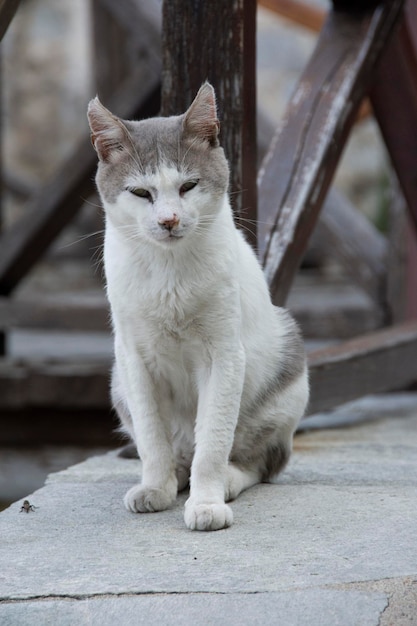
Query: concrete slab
[334,607]
[344,513]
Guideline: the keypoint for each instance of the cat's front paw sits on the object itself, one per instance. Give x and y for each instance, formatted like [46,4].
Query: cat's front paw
[141,499]
[207,516]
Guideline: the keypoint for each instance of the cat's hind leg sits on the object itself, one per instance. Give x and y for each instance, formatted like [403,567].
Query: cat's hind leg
[239,479]
[183,477]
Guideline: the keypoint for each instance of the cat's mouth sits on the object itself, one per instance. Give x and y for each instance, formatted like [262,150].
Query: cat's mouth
[168,237]
[171,237]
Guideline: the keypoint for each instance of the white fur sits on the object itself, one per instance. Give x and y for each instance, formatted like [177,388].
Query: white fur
[195,336]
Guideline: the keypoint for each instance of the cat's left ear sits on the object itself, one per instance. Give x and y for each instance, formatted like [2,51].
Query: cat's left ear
[108,133]
[201,118]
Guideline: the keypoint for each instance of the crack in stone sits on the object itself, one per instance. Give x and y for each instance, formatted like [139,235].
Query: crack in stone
[385,609]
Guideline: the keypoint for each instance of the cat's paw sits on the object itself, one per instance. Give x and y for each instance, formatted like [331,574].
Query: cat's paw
[141,499]
[207,516]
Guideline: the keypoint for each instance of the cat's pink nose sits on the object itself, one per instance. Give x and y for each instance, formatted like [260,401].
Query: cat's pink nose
[169,223]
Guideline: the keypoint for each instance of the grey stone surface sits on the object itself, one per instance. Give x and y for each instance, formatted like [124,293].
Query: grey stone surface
[340,520]
[312,607]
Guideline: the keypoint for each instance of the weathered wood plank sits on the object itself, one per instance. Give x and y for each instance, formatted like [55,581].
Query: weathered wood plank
[48,425]
[7,10]
[397,257]
[344,233]
[347,235]
[26,384]
[382,361]
[226,58]
[324,310]
[298,170]
[312,18]
[394,101]
[332,309]
[73,312]
[24,243]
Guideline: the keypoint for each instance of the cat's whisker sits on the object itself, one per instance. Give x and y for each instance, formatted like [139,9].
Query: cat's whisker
[236,192]
[248,230]
[97,260]
[90,203]
[81,238]
[245,219]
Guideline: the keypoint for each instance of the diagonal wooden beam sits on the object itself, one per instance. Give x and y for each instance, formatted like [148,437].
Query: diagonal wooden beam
[25,242]
[344,233]
[7,10]
[297,172]
[348,236]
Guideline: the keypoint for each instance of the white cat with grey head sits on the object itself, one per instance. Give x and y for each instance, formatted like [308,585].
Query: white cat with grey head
[210,379]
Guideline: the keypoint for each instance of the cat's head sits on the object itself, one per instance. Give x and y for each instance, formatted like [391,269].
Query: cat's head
[163,178]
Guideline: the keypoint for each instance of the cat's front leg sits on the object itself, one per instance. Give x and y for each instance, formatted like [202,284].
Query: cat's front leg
[158,488]
[218,410]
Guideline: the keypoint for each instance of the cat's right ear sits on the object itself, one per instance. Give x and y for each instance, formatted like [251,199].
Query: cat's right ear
[108,133]
[201,118]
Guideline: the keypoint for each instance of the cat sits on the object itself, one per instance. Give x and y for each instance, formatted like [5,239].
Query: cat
[210,378]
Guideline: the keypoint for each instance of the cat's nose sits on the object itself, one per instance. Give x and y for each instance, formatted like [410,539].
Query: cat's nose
[169,223]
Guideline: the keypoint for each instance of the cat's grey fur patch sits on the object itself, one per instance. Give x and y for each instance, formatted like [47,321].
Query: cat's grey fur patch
[276,458]
[289,369]
[163,141]
[128,452]
[269,459]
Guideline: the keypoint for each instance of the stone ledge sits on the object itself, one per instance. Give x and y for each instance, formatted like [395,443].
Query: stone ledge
[341,515]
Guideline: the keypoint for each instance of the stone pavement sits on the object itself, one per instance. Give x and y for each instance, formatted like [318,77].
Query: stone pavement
[333,542]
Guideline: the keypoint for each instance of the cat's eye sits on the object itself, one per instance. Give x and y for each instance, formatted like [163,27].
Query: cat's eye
[141,193]
[190,184]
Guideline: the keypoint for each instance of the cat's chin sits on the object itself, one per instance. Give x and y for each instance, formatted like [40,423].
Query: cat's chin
[168,240]
[171,240]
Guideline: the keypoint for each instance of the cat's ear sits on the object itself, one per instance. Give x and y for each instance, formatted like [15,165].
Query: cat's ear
[108,133]
[201,118]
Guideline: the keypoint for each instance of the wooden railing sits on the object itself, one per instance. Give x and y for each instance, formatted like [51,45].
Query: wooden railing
[366,54]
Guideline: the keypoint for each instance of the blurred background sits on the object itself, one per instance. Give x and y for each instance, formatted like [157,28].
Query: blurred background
[55,57]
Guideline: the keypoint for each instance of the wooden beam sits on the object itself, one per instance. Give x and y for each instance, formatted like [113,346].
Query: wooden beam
[348,236]
[343,233]
[26,384]
[216,41]
[299,167]
[385,360]
[49,212]
[48,425]
[381,361]
[394,101]
[7,10]
[332,310]
[313,18]
[67,312]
